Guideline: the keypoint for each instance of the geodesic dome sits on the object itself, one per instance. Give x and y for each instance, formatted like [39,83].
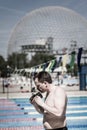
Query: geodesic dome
[62,24]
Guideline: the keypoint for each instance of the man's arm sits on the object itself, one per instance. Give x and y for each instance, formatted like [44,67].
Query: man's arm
[59,103]
[37,107]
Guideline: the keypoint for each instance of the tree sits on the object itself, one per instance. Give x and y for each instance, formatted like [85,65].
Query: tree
[17,60]
[2,67]
[40,58]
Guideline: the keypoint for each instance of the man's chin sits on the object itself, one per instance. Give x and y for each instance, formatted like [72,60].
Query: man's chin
[41,91]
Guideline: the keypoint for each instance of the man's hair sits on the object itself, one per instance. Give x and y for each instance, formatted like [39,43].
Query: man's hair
[44,76]
[35,75]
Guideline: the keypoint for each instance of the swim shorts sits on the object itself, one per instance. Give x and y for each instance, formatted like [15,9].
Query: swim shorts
[63,128]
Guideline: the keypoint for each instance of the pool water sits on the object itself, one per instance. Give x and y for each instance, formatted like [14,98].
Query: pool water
[19,114]
[77,113]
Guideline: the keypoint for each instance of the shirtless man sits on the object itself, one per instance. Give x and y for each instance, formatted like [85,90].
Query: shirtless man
[54,106]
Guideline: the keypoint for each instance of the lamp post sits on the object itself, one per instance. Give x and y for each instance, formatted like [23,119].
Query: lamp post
[7,82]
[15,56]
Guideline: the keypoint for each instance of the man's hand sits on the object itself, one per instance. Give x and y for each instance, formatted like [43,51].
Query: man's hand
[39,101]
[33,96]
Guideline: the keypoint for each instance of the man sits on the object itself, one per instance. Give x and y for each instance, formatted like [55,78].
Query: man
[54,106]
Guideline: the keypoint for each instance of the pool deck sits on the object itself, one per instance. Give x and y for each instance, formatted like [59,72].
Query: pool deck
[70,90]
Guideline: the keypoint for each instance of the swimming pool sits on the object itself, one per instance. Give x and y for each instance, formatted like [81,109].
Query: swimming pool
[77,113]
[19,114]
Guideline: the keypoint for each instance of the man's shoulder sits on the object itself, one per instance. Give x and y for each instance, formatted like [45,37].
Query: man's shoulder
[60,90]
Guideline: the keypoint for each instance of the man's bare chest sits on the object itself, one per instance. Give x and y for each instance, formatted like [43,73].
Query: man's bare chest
[50,100]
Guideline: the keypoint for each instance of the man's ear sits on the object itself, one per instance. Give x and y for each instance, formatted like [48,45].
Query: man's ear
[45,83]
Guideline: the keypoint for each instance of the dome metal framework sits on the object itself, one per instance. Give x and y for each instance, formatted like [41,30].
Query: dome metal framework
[62,24]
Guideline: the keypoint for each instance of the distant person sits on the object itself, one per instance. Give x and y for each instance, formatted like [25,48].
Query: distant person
[54,106]
[6,82]
[61,78]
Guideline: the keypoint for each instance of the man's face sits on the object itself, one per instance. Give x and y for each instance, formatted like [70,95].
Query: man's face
[40,86]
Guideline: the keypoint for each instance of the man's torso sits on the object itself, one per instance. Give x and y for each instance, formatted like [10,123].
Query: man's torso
[50,120]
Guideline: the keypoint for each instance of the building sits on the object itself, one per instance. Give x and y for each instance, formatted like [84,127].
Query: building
[41,46]
[61,24]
